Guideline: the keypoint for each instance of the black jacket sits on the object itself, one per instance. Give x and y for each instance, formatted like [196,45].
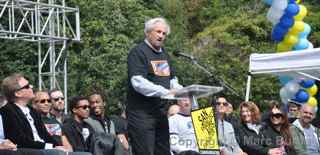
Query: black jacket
[272,139]
[18,130]
[249,141]
[73,131]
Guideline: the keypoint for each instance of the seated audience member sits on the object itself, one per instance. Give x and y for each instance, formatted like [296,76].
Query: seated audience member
[77,131]
[42,104]
[276,134]
[226,135]
[305,136]
[182,136]
[248,133]
[293,110]
[22,124]
[98,120]
[9,148]
[103,125]
[58,105]
[173,109]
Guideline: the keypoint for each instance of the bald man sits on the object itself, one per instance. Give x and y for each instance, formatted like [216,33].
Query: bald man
[305,136]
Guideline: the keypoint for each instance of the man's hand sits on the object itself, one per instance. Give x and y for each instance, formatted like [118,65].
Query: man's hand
[242,153]
[7,145]
[275,151]
[173,91]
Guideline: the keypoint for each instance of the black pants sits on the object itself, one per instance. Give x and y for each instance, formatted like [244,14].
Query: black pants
[148,132]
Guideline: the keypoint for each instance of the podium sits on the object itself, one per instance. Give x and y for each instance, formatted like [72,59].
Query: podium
[203,120]
[194,92]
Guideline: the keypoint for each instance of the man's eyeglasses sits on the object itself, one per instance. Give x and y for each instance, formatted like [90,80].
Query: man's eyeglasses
[43,101]
[84,107]
[223,103]
[58,98]
[277,115]
[28,86]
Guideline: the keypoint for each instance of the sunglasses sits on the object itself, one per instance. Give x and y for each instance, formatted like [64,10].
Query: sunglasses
[58,98]
[223,103]
[278,115]
[28,86]
[43,101]
[84,107]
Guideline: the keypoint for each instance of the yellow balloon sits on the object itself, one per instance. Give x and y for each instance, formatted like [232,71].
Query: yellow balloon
[290,40]
[282,47]
[312,102]
[298,1]
[312,90]
[301,14]
[297,27]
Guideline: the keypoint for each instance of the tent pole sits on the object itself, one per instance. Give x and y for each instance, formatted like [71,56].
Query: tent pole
[248,87]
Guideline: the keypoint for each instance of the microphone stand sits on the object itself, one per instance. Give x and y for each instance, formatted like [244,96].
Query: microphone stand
[219,80]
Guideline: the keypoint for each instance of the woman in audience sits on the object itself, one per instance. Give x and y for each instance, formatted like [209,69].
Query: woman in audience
[276,134]
[248,135]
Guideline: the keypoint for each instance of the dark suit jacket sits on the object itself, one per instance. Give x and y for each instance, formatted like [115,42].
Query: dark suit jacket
[18,130]
[73,131]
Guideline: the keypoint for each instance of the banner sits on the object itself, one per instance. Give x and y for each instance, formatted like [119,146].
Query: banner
[205,129]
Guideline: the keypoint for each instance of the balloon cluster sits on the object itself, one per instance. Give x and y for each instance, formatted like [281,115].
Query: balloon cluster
[289,31]
[302,91]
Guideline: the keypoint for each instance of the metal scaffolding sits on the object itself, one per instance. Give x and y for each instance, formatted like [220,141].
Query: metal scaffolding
[50,24]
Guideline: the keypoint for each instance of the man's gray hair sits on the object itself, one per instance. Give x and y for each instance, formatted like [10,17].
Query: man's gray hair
[314,109]
[151,23]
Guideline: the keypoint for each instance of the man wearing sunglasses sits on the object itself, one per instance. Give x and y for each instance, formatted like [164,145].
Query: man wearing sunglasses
[78,132]
[227,140]
[58,105]
[42,103]
[22,124]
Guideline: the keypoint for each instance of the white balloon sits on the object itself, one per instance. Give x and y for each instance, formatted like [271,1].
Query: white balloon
[280,4]
[274,15]
[292,88]
[284,95]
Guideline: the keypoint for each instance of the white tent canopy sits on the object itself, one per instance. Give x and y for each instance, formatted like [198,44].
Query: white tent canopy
[304,63]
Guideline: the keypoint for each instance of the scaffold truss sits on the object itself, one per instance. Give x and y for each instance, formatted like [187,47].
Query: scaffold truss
[50,24]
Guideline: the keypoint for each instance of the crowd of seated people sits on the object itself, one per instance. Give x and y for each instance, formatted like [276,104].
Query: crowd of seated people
[252,133]
[35,123]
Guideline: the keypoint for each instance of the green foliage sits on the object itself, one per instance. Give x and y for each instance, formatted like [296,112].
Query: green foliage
[221,34]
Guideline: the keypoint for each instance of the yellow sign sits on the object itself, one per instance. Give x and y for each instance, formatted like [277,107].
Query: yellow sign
[205,128]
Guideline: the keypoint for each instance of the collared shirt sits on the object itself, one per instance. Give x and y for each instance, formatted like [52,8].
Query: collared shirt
[311,141]
[26,112]
[149,44]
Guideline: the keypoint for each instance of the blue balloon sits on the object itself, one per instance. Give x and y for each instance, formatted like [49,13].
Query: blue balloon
[278,33]
[284,79]
[286,22]
[292,1]
[306,31]
[269,2]
[301,96]
[307,83]
[301,45]
[292,10]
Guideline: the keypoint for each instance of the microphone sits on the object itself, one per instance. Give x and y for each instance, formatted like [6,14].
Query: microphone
[181,54]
